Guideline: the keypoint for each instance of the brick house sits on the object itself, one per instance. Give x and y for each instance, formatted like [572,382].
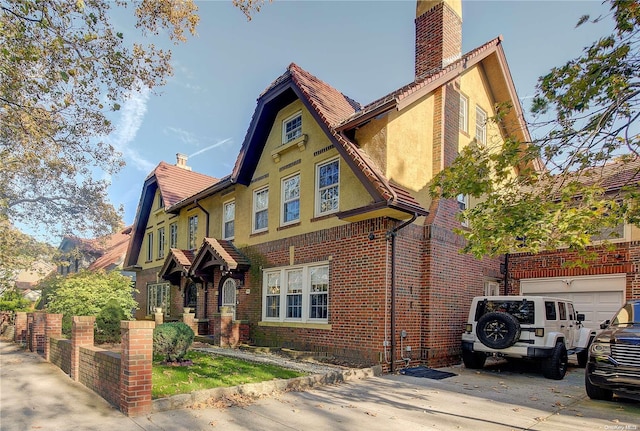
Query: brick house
[324,236]
[607,281]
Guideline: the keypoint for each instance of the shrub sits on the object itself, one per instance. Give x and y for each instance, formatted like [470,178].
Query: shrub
[108,323]
[172,340]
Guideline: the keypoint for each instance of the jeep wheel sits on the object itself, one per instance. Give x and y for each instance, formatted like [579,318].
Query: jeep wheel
[473,360]
[595,392]
[582,358]
[498,330]
[555,366]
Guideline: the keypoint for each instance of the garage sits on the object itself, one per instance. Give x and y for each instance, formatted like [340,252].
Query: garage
[598,297]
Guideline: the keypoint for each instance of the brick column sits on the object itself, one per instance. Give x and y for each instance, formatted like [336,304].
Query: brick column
[37,333]
[29,338]
[189,319]
[229,330]
[135,367]
[20,336]
[81,336]
[52,329]
[159,318]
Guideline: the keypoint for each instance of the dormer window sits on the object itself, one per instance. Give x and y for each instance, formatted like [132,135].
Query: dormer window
[292,128]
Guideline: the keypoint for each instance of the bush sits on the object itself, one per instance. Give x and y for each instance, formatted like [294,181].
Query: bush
[108,323]
[172,340]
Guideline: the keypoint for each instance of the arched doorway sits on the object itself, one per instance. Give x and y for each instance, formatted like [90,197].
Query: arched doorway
[229,288]
[191,296]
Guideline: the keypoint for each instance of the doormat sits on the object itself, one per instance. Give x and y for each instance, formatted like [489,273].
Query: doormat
[428,373]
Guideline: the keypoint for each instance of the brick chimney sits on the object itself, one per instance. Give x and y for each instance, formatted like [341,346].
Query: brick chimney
[438,35]
[181,161]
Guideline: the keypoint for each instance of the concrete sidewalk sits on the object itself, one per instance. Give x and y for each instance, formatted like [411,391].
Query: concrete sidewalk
[36,395]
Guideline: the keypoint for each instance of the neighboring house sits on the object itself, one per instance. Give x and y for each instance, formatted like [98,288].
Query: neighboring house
[106,253]
[27,280]
[324,236]
[612,277]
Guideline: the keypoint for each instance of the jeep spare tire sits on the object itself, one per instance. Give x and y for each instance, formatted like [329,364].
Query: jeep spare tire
[498,330]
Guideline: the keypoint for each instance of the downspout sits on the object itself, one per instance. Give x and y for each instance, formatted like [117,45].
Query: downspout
[206,230]
[391,236]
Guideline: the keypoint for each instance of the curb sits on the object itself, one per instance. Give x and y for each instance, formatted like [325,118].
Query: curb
[257,390]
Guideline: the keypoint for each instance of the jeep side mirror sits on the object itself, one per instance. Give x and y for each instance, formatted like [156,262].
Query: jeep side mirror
[604,324]
[580,317]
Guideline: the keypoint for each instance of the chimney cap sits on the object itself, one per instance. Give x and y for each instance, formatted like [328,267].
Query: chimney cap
[181,161]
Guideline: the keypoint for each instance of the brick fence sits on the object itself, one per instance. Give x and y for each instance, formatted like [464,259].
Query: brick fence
[124,380]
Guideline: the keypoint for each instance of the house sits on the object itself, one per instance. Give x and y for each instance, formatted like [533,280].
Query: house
[324,236]
[106,253]
[611,277]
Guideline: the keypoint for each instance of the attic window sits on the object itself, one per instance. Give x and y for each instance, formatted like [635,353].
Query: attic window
[292,128]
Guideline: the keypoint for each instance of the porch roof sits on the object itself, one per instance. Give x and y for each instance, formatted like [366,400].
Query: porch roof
[177,263]
[219,252]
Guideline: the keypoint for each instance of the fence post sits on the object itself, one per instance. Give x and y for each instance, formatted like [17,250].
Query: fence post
[136,367]
[20,335]
[81,336]
[37,334]
[52,328]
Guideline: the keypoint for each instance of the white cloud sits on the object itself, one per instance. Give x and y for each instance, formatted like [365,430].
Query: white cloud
[210,147]
[132,114]
[185,136]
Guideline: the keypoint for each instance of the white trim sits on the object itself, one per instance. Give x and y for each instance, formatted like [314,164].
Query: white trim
[317,190]
[589,283]
[481,126]
[282,273]
[297,132]
[463,122]
[253,210]
[225,221]
[283,201]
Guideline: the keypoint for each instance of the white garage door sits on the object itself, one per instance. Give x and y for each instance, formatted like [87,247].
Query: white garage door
[597,297]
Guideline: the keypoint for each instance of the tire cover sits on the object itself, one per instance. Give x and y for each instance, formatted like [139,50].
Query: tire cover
[498,330]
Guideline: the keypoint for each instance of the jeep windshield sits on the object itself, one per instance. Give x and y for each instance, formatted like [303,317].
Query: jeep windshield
[628,315]
[523,310]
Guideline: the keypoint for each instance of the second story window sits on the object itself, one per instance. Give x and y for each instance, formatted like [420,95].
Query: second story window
[193,232]
[160,243]
[173,235]
[291,199]
[327,187]
[292,128]
[261,210]
[228,220]
[149,246]
[481,126]
[464,114]
[463,204]
[160,201]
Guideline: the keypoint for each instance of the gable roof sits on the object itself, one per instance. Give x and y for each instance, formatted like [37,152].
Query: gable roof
[175,184]
[176,264]
[114,253]
[219,252]
[329,107]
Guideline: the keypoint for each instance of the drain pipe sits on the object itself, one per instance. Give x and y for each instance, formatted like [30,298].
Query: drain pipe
[391,236]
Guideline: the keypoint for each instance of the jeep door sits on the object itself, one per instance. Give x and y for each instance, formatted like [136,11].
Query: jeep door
[566,316]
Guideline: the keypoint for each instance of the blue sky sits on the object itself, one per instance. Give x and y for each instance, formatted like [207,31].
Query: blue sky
[365,49]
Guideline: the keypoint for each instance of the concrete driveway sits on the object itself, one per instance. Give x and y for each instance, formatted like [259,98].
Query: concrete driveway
[35,395]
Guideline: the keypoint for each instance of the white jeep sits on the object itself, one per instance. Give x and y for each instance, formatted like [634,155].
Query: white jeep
[540,328]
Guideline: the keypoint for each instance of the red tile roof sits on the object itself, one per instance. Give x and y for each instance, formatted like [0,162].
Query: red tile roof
[177,183]
[115,248]
[223,251]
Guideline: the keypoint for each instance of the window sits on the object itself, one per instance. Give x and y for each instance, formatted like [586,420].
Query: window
[149,246]
[160,243]
[193,232]
[463,204]
[550,310]
[319,295]
[261,210]
[228,220]
[292,128]
[294,294]
[464,114]
[304,298]
[158,296]
[291,199]
[229,288]
[160,201]
[272,298]
[173,235]
[327,187]
[491,288]
[562,310]
[481,125]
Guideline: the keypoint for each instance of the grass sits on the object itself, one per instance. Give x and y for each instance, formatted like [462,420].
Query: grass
[211,371]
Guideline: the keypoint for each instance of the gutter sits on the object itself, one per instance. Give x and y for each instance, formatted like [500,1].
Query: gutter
[206,284]
[391,236]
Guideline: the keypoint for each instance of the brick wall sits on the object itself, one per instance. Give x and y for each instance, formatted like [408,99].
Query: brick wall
[60,354]
[100,372]
[617,259]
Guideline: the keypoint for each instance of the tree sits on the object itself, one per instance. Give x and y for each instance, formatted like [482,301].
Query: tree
[552,191]
[64,68]
[86,293]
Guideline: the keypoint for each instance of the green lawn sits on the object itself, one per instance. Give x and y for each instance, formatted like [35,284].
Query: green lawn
[210,371]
